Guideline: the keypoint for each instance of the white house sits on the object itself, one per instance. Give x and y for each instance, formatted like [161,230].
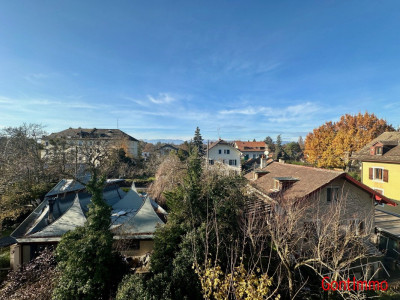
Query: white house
[224,153]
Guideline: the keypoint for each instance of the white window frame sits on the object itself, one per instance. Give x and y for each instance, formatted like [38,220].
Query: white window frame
[373,174]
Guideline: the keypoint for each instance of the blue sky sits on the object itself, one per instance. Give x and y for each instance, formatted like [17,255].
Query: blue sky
[236,69]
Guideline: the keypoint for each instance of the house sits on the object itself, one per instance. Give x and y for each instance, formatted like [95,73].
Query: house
[133,221]
[166,149]
[294,182]
[222,153]
[251,149]
[90,139]
[380,164]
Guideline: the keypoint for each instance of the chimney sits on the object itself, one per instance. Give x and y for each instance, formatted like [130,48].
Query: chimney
[263,161]
[50,217]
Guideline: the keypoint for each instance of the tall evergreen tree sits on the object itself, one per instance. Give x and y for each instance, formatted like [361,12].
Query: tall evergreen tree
[84,255]
[198,141]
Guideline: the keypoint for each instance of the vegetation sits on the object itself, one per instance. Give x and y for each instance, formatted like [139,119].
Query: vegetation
[34,281]
[198,142]
[84,255]
[332,144]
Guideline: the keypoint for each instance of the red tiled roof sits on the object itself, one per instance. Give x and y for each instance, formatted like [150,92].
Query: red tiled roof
[251,146]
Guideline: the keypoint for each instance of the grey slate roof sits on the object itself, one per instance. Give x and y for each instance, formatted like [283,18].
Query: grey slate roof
[71,219]
[72,204]
[90,133]
[143,223]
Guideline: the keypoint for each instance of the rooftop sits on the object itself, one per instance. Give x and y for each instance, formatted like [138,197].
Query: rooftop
[306,180]
[91,133]
[391,153]
[251,146]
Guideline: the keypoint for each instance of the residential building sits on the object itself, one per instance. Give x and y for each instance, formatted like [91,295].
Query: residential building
[251,150]
[293,182]
[166,149]
[91,140]
[222,153]
[380,164]
[134,220]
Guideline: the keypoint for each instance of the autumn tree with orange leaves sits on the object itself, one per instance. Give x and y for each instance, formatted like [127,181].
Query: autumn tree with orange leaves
[331,145]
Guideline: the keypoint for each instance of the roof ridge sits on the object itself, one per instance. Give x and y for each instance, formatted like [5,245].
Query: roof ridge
[308,167]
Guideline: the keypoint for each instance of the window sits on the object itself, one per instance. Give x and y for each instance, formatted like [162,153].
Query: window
[378,173]
[378,150]
[276,185]
[219,151]
[232,162]
[211,161]
[332,194]
[227,151]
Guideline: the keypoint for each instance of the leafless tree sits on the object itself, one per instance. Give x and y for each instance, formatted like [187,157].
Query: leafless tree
[169,175]
[325,241]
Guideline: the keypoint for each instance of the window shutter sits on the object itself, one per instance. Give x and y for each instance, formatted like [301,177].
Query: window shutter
[371,173]
[385,175]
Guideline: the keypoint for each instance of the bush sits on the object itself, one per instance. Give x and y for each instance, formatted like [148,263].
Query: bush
[132,287]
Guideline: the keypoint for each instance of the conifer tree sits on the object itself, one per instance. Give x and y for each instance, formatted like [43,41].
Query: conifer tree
[198,142]
[84,254]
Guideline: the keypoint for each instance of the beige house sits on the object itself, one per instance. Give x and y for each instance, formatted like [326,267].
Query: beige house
[81,140]
[322,187]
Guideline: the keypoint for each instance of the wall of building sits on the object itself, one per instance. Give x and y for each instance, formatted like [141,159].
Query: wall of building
[224,158]
[391,188]
[250,154]
[146,246]
[356,204]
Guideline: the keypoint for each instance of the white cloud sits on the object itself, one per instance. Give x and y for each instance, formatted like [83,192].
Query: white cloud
[163,98]
[287,112]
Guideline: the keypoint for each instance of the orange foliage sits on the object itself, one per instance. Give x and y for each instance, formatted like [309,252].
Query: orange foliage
[331,144]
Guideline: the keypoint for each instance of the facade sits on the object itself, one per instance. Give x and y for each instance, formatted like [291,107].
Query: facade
[133,221]
[321,186]
[380,164]
[91,140]
[222,153]
[251,150]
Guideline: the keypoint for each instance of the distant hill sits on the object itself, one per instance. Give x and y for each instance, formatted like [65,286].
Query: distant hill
[164,141]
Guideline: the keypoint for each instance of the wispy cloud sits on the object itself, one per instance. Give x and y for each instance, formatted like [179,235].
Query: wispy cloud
[163,98]
[289,111]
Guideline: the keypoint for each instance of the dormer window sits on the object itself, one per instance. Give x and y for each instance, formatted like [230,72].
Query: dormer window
[283,183]
[378,150]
